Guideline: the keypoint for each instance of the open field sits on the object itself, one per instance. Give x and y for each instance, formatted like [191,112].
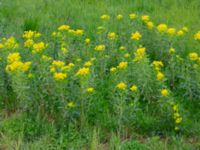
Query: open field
[100,74]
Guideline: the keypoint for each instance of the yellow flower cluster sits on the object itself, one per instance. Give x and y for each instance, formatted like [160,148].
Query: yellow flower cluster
[90,90]
[15,63]
[122,65]
[100,48]
[121,86]
[176,115]
[132,16]
[9,43]
[164,92]
[112,36]
[119,17]
[105,17]
[83,71]
[193,56]
[157,66]
[140,53]
[134,88]
[136,36]
[38,47]
[197,36]
[31,34]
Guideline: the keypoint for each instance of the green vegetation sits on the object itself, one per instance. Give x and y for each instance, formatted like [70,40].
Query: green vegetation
[99,74]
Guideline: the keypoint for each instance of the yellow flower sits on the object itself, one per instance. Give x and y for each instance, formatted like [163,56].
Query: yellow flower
[134,88]
[30,75]
[90,90]
[122,48]
[185,29]
[132,16]
[87,41]
[171,31]
[160,76]
[162,27]
[180,33]
[171,50]
[178,120]
[136,36]
[60,76]
[71,104]
[63,28]
[193,56]
[100,47]
[38,47]
[150,24]
[17,65]
[197,36]
[79,32]
[140,53]
[83,71]
[28,43]
[157,64]
[121,86]
[58,63]
[105,17]
[88,64]
[164,92]
[13,57]
[122,65]
[26,66]
[145,18]
[119,17]
[112,35]
[1,45]
[126,55]
[28,34]
[113,69]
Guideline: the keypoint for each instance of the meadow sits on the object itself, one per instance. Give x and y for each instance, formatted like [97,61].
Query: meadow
[99,75]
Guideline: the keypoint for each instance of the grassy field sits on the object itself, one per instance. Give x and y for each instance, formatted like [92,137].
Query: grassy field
[99,74]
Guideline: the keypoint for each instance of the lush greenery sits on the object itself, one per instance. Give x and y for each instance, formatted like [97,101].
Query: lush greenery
[109,74]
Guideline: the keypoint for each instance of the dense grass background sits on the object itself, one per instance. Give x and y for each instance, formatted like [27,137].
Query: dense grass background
[45,16]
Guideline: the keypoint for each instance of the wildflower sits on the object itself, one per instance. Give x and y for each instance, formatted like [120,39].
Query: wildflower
[180,33]
[171,31]
[122,48]
[60,76]
[139,54]
[157,65]
[134,88]
[25,66]
[197,36]
[105,17]
[63,28]
[113,69]
[149,24]
[13,57]
[87,41]
[178,120]
[119,17]
[100,47]
[164,92]
[145,18]
[1,45]
[112,35]
[83,71]
[171,50]
[90,90]
[132,16]
[79,32]
[121,86]
[88,64]
[160,76]
[38,47]
[28,43]
[162,27]
[193,56]
[126,55]
[30,75]
[28,34]
[122,65]
[136,36]
[185,29]
[58,63]
[71,104]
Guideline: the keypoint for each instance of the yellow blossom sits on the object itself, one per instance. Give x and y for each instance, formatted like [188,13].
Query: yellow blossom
[88,64]
[119,17]
[105,17]
[87,41]
[28,43]
[83,71]
[13,57]
[28,34]
[140,53]
[193,56]
[112,35]
[160,76]
[162,27]
[145,18]
[136,36]
[132,16]
[134,88]
[121,86]
[71,104]
[100,47]
[122,48]
[149,24]
[197,36]
[59,76]
[63,27]
[171,31]
[180,33]
[171,50]
[164,92]
[122,65]
[38,47]
[113,69]
[90,90]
